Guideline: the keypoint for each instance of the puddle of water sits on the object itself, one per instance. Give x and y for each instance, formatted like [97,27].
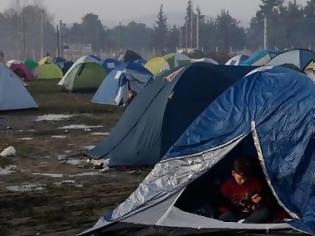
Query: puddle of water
[81,127]
[58,136]
[101,133]
[88,147]
[49,175]
[61,157]
[74,162]
[65,182]
[7,170]
[26,188]
[69,182]
[53,117]
[25,139]
[85,174]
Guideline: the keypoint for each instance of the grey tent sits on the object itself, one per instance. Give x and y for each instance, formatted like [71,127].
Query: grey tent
[13,95]
[162,111]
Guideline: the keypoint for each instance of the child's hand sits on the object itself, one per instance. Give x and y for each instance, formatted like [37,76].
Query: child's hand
[256,198]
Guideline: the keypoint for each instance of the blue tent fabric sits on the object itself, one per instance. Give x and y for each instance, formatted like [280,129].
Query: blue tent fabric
[281,102]
[162,111]
[140,61]
[109,64]
[96,58]
[66,66]
[126,76]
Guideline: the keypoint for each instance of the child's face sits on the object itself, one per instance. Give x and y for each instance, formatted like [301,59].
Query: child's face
[240,178]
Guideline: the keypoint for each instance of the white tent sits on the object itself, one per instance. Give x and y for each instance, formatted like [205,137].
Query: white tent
[13,95]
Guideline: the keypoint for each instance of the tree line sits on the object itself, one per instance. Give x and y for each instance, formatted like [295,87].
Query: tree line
[288,25]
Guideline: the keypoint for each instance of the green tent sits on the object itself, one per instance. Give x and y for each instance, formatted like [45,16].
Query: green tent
[49,71]
[31,64]
[83,76]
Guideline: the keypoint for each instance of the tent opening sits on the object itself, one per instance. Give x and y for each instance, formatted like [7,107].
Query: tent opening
[203,197]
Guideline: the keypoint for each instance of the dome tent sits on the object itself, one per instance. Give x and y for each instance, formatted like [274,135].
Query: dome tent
[22,71]
[13,94]
[31,64]
[86,74]
[124,78]
[162,111]
[297,57]
[48,71]
[159,65]
[274,106]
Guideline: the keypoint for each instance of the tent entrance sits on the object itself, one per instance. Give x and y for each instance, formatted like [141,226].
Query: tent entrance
[202,196]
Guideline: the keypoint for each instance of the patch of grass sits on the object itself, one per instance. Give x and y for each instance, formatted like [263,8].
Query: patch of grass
[52,99]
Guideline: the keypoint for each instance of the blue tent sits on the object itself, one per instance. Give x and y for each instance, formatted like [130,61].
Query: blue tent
[140,61]
[259,58]
[273,107]
[162,111]
[126,76]
[66,66]
[109,64]
[297,57]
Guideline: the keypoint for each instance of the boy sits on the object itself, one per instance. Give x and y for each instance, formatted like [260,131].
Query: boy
[242,196]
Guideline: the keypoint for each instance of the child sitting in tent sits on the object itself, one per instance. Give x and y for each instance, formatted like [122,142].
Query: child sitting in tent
[242,196]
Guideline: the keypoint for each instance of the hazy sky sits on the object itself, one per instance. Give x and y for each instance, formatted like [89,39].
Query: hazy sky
[113,11]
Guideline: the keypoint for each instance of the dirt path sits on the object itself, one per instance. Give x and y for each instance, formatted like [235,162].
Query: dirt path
[49,188]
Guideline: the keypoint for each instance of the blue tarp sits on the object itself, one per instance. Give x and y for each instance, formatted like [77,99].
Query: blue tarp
[282,104]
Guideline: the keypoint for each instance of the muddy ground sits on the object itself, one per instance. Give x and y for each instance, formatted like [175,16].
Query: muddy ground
[49,188]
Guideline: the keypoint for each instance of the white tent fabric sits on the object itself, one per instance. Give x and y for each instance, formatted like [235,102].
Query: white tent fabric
[9,63]
[205,59]
[13,95]
[236,60]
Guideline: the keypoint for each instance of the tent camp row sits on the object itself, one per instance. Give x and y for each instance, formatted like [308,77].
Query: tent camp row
[156,113]
[189,123]
[270,107]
